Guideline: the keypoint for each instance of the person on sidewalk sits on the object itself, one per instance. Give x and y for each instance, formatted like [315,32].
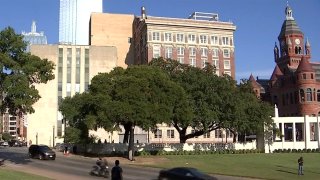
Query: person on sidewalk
[116,172]
[300,166]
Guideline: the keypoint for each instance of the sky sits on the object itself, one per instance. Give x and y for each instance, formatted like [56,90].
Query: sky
[258,23]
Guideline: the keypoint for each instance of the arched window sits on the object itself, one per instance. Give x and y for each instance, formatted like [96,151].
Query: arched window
[309,94]
[318,95]
[311,76]
[301,95]
[296,50]
[300,50]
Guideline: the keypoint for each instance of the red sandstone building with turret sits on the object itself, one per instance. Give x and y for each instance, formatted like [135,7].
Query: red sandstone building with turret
[294,85]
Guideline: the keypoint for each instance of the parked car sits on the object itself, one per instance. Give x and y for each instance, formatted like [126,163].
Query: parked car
[183,173]
[41,152]
[4,143]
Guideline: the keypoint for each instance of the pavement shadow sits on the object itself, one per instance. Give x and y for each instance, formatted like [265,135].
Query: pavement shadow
[14,155]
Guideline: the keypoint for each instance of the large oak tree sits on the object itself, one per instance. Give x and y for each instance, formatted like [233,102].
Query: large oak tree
[19,72]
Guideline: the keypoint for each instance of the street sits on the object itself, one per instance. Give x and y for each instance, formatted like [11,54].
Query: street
[75,167]
[66,167]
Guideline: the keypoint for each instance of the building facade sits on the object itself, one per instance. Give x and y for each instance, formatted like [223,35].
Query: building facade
[113,30]
[75,67]
[74,19]
[200,39]
[294,85]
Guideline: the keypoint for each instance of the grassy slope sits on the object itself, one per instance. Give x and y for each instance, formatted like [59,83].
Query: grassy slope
[16,175]
[267,166]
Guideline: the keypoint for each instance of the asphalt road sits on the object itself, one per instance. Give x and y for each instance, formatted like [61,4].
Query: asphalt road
[66,167]
[74,167]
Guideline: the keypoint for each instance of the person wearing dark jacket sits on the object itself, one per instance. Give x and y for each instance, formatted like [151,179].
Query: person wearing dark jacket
[300,166]
[116,172]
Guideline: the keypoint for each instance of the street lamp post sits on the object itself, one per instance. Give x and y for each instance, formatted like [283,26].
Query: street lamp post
[37,138]
[318,132]
[53,136]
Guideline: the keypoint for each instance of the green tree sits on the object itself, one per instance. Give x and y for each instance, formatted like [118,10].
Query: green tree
[6,136]
[19,72]
[83,112]
[140,96]
[250,114]
[72,135]
[206,94]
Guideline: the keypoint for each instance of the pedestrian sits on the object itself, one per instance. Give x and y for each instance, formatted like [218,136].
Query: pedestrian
[300,163]
[116,172]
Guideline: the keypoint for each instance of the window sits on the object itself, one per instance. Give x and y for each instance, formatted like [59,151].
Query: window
[191,38]
[156,36]
[158,133]
[227,73]
[168,37]
[214,40]
[181,60]
[156,51]
[180,51]
[168,52]
[193,62]
[218,133]
[204,52]
[309,94]
[226,64]
[225,41]
[204,62]
[192,51]
[215,52]
[203,39]
[206,135]
[226,53]
[180,38]
[170,133]
[215,62]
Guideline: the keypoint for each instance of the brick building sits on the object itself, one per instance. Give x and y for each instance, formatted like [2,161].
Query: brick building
[294,85]
[202,38]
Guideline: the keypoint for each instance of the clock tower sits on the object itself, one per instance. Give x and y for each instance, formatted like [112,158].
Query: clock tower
[291,41]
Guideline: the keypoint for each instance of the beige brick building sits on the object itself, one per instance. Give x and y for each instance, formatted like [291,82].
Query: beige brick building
[75,67]
[113,30]
[196,40]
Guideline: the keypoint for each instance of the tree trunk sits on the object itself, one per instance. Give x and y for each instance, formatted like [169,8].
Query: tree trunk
[131,144]
[182,135]
[127,128]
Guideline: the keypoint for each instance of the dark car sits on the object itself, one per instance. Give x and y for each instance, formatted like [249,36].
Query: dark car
[183,173]
[41,152]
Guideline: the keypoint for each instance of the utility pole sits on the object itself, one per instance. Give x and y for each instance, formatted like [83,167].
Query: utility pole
[53,136]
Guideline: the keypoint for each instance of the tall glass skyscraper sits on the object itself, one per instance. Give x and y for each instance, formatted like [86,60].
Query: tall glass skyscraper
[74,20]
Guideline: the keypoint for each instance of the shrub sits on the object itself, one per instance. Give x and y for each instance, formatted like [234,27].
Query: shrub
[308,150]
[294,150]
[299,150]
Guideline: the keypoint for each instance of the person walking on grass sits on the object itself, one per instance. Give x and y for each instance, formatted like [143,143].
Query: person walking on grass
[300,164]
[116,172]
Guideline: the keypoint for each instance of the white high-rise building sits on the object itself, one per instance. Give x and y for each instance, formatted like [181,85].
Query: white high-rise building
[74,20]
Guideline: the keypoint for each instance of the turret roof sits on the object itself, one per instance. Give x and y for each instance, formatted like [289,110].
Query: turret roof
[304,66]
[276,72]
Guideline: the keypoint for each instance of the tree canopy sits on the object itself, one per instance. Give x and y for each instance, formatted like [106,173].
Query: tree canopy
[19,72]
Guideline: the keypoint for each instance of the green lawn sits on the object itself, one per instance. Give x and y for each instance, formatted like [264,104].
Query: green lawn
[16,175]
[266,166]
